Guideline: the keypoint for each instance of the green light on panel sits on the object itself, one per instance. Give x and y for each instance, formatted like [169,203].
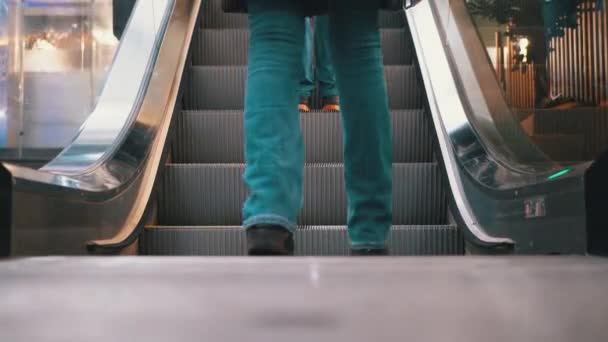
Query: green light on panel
[560,173]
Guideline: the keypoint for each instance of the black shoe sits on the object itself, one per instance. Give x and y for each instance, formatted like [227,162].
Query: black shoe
[265,239]
[369,252]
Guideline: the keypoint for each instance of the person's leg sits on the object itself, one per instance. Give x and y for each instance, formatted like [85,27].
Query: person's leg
[274,150]
[307,83]
[326,74]
[357,53]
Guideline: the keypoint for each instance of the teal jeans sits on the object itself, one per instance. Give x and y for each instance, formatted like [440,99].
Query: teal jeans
[316,38]
[274,147]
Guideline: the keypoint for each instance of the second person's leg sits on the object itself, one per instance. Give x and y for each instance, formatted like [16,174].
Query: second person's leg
[307,83]
[357,53]
[326,74]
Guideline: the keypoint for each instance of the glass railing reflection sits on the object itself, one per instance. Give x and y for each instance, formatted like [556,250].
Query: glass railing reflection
[3,70]
[551,59]
[54,59]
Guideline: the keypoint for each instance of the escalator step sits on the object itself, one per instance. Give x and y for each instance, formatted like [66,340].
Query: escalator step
[392,19]
[230,46]
[310,240]
[202,137]
[223,87]
[213,17]
[206,194]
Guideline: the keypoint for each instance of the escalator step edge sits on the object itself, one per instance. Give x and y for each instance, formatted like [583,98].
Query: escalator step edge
[313,241]
[201,137]
[212,195]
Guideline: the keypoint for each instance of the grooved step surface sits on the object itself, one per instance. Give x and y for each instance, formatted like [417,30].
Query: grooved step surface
[310,241]
[223,87]
[217,137]
[392,19]
[204,194]
[201,196]
[212,16]
[230,47]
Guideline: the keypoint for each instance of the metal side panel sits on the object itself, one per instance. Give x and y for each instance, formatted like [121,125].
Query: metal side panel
[99,186]
[230,47]
[493,189]
[201,137]
[203,194]
[310,240]
[223,87]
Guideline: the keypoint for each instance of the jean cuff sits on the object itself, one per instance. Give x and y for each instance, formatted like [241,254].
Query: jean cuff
[368,245]
[270,219]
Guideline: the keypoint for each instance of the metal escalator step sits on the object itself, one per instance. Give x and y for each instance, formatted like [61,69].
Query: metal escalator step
[220,47]
[212,194]
[310,240]
[392,19]
[213,17]
[217,137]
[230,46]
[223,87]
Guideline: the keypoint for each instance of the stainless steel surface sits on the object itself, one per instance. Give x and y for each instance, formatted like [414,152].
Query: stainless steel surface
[100,186]
[119,102]
[491,174]
[558,299]
[57,56]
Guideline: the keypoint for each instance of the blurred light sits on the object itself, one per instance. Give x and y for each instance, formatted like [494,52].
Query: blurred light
[560,173]
[523,44]
[104,37]
[43,44]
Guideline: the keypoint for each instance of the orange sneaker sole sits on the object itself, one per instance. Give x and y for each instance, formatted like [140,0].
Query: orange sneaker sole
[331,108]
[303,108]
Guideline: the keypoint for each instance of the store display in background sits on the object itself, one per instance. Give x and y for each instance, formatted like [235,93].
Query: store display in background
[552,61]
[59,56]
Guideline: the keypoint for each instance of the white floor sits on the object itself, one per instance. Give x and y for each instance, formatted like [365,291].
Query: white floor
[304,299]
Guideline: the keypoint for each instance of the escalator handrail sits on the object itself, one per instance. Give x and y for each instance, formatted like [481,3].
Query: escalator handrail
[100,187]
[442,96]
[469,111]
[122,94]
[480,125]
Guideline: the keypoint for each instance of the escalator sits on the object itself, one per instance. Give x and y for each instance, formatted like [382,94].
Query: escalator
[201,192]
[156,170]
[157,167]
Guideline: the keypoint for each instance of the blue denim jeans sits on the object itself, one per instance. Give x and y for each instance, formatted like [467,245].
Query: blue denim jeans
[274,147]
[316,38]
